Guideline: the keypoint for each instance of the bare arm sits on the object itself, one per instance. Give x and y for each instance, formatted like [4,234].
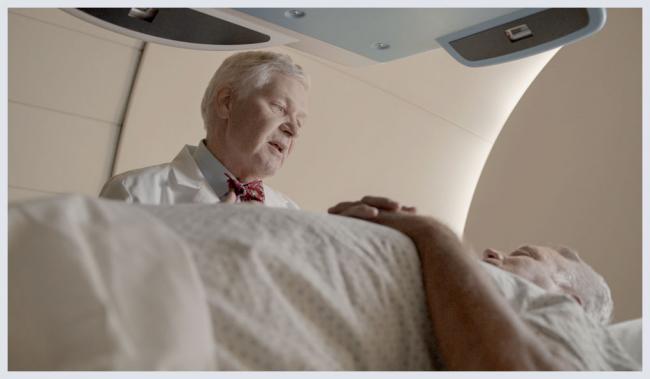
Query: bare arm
[475,327]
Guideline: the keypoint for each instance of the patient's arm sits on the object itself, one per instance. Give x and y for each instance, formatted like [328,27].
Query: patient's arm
[474,325]
[475,328]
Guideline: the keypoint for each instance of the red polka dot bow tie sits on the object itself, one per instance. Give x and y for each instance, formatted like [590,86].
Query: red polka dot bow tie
[251,191]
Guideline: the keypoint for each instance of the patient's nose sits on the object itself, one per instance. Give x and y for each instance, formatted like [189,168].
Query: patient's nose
[492,254]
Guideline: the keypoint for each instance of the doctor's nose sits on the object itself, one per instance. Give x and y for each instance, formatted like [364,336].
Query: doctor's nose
[290,129]
[491,254]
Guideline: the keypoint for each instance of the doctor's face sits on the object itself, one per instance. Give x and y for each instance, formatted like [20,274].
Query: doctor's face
[538,264]
[261,129]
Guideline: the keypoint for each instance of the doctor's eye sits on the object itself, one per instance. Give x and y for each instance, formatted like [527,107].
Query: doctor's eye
[279,108]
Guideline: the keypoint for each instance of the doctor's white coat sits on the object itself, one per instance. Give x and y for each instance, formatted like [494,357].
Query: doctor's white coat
[179,181]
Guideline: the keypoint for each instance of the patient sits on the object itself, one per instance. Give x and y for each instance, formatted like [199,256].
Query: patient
[468,311]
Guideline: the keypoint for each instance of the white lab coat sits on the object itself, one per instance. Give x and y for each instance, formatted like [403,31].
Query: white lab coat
[179,181]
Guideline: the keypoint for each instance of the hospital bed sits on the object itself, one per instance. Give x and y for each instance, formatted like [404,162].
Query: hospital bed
[102,285]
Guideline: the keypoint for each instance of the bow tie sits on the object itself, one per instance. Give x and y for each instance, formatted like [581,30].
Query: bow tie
[251,191]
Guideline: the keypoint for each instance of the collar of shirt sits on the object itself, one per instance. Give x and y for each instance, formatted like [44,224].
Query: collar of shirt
[212,169]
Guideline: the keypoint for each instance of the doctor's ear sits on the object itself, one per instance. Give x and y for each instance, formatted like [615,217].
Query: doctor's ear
[223,102]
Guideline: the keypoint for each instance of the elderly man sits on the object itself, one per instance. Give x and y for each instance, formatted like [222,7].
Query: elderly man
[253,110]
[475,325]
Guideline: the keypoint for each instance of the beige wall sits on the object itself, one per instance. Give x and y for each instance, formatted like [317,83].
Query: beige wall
[68,87]
[567,165]
[400,129]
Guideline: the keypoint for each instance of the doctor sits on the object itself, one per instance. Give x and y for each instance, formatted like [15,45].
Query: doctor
[253,110]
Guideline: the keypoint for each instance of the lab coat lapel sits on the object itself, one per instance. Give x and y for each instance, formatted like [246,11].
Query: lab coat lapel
[188,182]
[205,194]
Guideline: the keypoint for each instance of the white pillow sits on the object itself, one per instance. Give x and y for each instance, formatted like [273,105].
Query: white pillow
[629,334]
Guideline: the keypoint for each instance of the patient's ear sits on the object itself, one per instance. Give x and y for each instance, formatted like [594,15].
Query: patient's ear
[223,102]
[574,295]
[576,298]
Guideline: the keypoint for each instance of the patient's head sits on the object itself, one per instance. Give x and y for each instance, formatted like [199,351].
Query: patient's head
[560,270]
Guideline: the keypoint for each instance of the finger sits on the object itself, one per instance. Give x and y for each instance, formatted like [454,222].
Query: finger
[340,207]
[230,197]
[363,211]
[382,203]
[412,210]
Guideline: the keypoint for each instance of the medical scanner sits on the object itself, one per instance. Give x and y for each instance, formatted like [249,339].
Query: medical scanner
[359,36]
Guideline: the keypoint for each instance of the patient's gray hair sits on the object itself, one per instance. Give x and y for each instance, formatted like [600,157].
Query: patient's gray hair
[589,285]
[245,72]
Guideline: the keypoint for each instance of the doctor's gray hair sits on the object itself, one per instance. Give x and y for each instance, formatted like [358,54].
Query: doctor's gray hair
[245,72]
[589,285]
